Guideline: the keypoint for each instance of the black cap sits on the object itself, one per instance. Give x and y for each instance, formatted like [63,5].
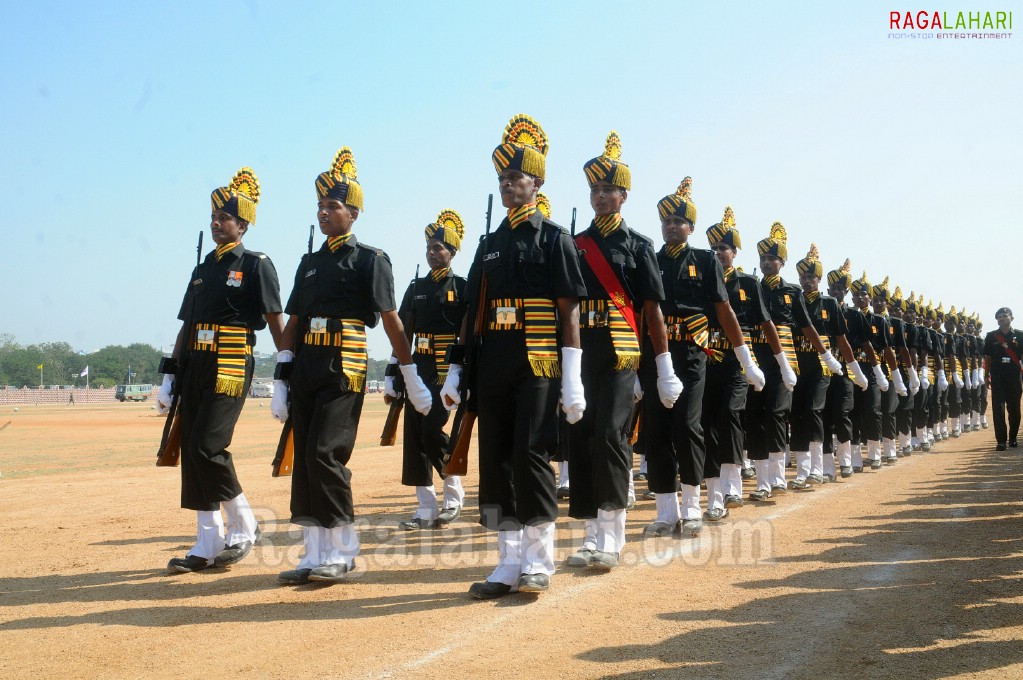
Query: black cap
[1003,310]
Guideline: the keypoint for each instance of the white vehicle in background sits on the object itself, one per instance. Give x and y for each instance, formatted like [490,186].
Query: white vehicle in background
[262,390]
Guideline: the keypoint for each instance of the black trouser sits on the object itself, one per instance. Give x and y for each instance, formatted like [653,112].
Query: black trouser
[983,398]
[674,437]
[767,411]
[724,400]
[889,402]
[1005,397]
[954,397]
[518,423]
[921,409]
[424,441]
[325,416]
[808,402]
[838,406]
[904,406]
[868,407]
[207,426]
[600,458]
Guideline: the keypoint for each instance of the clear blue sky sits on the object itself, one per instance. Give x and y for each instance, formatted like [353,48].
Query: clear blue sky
[119,118]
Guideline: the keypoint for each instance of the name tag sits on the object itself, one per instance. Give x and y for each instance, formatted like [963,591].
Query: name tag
[742,295]
[788,299]
[197,282]
[310,273]
[205,337]
[423,344]
[234,279]
[420,297]
[451,296]
[506,316]
[692,271]
[1006,360]
[318,324]
[491,256]
[824,315]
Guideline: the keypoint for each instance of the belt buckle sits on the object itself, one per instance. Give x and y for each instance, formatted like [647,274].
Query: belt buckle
[318,324]
[715,336]
[596,318]
[422,344]
[205,337]
[506,316]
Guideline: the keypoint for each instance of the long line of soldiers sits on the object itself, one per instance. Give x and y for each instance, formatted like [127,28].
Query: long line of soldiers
[731,373]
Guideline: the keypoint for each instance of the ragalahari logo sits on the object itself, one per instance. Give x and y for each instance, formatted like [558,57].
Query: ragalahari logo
[944,24]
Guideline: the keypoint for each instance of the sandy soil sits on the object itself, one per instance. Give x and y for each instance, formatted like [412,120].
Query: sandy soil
[913,571]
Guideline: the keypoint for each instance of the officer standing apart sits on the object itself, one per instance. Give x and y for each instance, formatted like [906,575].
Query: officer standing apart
[435,305]
[1002,351]
[623,289]
[342,289]
[233,293]
[529,270]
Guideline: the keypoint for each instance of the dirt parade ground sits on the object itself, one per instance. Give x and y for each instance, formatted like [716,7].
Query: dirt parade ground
[912,571]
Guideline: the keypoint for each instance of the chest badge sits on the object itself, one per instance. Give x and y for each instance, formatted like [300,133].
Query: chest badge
[451,296]
[234,279]
[824,315]
[742,295]
[492,256]
[788,299]
[692,271]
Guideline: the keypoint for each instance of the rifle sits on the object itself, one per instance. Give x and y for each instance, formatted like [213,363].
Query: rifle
[457,456]
[390,431]
[573,222]
[284,458]
[170,442]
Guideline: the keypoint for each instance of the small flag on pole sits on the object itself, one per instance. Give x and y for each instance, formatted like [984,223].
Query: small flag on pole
[84,373]
[40,367]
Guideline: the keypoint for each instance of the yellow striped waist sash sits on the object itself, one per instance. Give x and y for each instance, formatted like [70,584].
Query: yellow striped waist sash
[719,343]
[436,344]
[350,336]
[537,318]
[788,347]
[604,314]
[693,328]
[930,364]
[233,346]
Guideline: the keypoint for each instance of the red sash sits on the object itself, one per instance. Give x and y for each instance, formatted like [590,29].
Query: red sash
[605,275]
[1008,350]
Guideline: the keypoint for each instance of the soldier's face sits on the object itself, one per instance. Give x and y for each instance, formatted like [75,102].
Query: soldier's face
[771,265]
[724,254]
[1004,320]
[809,282]
[607,199]
[909,316]
[880,305]
[675,230]
[837,291]
[861,299]
[226,228]
[336,218]
[517,188]
[437,254]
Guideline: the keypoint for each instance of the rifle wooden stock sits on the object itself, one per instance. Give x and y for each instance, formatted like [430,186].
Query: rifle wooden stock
[284,460]
[635,421]
[458,461]
[390,432]
[170,442]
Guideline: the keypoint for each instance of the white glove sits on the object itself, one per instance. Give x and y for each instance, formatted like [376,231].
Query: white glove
[980,375]
[966,379]
[976,377]
[925,377]
[914,380]
[669,387]
[637,391]
[858,376]
[418,393]
[833,364]
[900,385]
[882,381]
[449,395]
[573,402]
[957,380]
[942,380]
[279,402]
[788,376]
[389,390]
[163,397]
[754,376]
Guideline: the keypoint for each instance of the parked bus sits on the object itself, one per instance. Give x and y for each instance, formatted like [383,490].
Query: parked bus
[133,392]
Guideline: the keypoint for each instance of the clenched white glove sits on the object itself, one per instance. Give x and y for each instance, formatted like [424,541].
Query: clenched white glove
[573,402]
[418,393]
[882,381]
[925,377]
[637,391]
[279,402]
[859,377]
[788,376]
[899,384]
[914,380]
[389,390]
[980,375]
[957,380]
[754,376]
[833,364]
[449,395]
[942,380]
[669,387]
[164,396]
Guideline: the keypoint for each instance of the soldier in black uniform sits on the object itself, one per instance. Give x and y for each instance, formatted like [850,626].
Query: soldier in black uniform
[815,374]
[955,354]
[936,403]
[623,292]
[943,351]
[868,404]
[340,290]
[232,294]
[432,308]
[532,288]
[896,342]
[921,346]
[724,399]
[982,371]
[903,335]
[1002,351]
[974,351]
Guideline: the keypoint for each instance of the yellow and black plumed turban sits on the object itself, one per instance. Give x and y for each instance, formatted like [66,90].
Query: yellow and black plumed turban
[448,229]
[523,147]
[842,275]
[811,264]
[340,182]
[725,231]
[880,291]
[543,204]
[608,167]
[861,285]
[897,300]
[240,197]
[776,243]
[680,203]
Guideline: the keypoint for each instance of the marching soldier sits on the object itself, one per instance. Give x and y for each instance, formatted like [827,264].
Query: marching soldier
[1002,351]
[982,373]
[903,334]
[623,292]
[922,346]
[233,293]
[954,360]
[895,343]
[340,290]
[432,308]
[527,275]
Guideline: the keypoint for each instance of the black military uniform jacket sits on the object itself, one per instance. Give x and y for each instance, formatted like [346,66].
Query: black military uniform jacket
[1001,366]
[632,259]
[693,282]
[826,317]
[438,308]
[236,291]
[746,300]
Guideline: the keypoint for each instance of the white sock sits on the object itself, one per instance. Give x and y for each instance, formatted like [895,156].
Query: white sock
[715,497]
[802,465]
[537,552]
[314,539]
[731,480]
[817,458]
[610,530]
[241,523]
[454,492]
[777,468]
[844,454]
[763,474]
[209,534]
[562,478]
[856,451]
[342,545]
[690,502]
[509,550]
[642,463]
[668,510]
[828,464]
[428,508]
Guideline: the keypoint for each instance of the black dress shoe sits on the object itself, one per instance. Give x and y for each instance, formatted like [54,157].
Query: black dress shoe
[748,473]
[294,577]
[1000,447]
[534,583]
[233,554]
[760,495]
[563,492]
[733,501]
[448,515]
[329,572]
[188,563]
[488,590]
[417,523]
[1013,444]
